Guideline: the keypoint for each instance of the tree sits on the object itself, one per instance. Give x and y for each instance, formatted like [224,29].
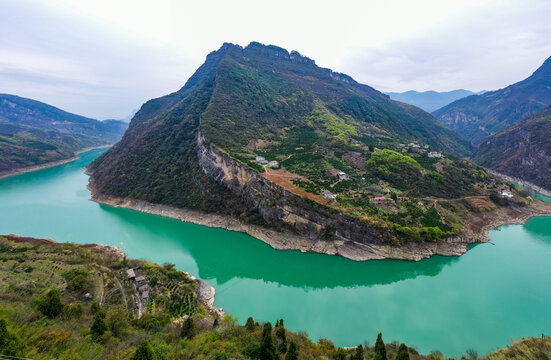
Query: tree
[292,353]
[144,352]
[98,326]
[472,354]
[282,339]
[358,354]
[50,303]
[249,325]
[215,323]
[403,353]
[267,348]
[10,344]
[380,348]
[188,328]
[339,354]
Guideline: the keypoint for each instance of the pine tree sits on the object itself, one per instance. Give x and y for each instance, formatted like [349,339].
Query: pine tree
[267,348]
[403,353]
[144,352]
[249,325]
[282,337]
[358,354]
[380,348]
[339,354]
[292,353]
[188,328]
[215,323]
[98,326]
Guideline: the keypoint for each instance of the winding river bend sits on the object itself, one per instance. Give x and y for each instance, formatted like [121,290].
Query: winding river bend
[482,300]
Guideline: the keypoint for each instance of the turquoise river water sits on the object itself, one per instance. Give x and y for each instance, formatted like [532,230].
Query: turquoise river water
[482,300]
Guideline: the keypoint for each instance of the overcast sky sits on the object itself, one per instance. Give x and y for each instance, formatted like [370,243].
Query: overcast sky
[104,58]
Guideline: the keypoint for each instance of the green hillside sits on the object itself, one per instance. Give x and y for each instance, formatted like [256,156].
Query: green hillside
[264,101]
[522,150]
[478,116]
[34,133]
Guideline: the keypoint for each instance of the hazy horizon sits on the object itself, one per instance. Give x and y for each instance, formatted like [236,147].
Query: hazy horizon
[103,59]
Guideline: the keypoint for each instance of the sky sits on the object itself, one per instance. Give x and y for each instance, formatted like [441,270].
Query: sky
[104,58]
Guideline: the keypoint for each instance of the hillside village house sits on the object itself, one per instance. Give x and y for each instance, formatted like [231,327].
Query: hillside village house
[329,195]
[506,194]
[273,164]
[343,176]
[382,200]
[434,154]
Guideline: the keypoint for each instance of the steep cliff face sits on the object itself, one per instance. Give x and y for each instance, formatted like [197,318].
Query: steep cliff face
[478,116]
[523,150]
[279,207]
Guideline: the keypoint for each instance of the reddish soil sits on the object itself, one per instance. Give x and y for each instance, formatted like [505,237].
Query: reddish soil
[283,178]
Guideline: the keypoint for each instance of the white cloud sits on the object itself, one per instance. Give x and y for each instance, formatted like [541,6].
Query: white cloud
[103,58]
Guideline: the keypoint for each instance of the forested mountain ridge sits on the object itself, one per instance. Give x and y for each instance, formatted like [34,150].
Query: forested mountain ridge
[478,116]
[347,162]
[522,150]
[34,133]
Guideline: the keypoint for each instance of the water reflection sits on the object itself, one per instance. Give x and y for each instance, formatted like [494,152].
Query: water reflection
[222,255]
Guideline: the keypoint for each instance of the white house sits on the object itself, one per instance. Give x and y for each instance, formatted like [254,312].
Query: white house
[260,159]
[343,176]
[273,164]
[329,195]
[434,154]
[506,194]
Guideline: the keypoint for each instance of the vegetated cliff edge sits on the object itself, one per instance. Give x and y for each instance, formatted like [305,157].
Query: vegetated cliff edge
[196,149]
[297,223]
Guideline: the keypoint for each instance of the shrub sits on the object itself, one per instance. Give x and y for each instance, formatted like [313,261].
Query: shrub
[10,344]
[144,352]
[50,303]
[98,326]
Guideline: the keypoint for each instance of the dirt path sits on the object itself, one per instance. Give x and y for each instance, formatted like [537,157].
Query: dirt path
[122,292]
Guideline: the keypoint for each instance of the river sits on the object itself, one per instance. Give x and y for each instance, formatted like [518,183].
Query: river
[481,300]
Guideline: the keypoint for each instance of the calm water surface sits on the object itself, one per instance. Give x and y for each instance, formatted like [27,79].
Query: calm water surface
[482,300]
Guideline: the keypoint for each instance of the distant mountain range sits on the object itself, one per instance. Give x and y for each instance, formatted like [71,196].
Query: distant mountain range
[478,116]
[33,133]
[522,150]
[430,100]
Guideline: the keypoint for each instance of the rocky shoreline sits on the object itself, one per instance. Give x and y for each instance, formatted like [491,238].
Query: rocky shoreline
[349,249]
[524,183]
[50,164]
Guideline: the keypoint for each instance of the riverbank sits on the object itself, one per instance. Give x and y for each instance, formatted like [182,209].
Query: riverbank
[477,231]
[50,164]
[524,183]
